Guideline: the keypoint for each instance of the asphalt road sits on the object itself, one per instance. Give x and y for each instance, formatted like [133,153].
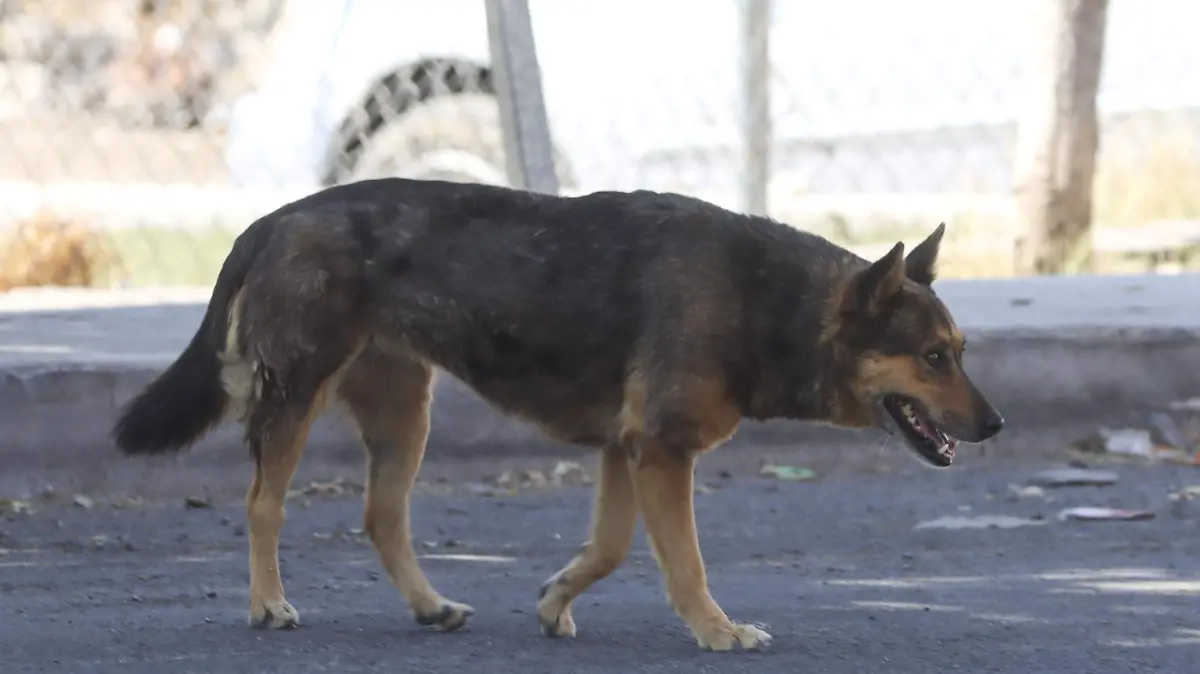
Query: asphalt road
[833,569]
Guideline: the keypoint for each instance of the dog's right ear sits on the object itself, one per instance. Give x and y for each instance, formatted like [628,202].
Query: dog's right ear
[872,287]
[921,265]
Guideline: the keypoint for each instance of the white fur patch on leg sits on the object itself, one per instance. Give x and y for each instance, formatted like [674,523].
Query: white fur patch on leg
[238,376]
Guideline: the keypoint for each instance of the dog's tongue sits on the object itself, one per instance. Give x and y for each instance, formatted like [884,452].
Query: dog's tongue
[932,433]
[926,427]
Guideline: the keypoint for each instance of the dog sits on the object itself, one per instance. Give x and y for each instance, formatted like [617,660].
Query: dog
[646,325]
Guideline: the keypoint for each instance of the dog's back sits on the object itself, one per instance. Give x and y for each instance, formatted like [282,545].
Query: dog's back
[542,303]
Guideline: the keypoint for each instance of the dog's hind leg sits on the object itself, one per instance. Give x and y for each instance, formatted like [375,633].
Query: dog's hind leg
[278,433]
[389,397]
[614,519]
[277,430]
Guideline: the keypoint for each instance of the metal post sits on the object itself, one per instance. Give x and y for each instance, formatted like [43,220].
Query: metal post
[518,82]
[756,98]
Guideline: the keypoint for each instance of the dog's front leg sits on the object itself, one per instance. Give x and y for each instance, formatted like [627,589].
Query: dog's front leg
[663,481]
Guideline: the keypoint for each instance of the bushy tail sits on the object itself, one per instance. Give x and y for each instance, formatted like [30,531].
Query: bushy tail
[187,400]
[178,407]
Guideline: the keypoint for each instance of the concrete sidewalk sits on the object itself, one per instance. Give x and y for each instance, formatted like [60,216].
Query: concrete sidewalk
[1055,354]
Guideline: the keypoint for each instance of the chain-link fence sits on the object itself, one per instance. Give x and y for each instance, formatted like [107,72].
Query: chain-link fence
[137,137]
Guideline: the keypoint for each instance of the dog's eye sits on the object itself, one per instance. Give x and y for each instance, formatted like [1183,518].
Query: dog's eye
[934,358]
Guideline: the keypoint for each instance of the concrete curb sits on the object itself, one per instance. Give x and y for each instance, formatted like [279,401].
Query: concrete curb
[64,373]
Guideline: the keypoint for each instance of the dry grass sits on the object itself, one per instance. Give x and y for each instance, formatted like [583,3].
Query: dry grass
[1148,177]
[50,251]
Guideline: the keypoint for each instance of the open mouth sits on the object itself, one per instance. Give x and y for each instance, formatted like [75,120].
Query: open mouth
[919,430]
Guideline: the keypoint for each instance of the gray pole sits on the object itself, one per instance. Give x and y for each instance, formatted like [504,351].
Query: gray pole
[756,97]
[518,83]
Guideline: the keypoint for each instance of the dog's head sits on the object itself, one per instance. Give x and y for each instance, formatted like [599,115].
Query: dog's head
[901,355]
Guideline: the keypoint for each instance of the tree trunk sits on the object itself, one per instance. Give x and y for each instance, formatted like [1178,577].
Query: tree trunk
[1058,138]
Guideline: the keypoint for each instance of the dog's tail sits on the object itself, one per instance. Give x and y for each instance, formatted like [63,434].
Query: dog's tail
[187,400]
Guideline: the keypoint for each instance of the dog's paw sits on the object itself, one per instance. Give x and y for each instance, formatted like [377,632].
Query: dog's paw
[556,621]
[730,635]
[554,613]
[447,617]
[275,615]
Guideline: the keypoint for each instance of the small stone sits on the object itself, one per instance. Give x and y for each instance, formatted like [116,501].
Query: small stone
[1030,491]
[196,502]
[566,471]
[1128,441]
[534,478]
[486,489]
[83,501]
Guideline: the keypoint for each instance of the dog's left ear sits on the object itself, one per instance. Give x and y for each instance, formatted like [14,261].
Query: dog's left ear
[874,286]
[921,263]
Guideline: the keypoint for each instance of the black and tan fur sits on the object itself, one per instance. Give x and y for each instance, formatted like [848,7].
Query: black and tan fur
[646,325]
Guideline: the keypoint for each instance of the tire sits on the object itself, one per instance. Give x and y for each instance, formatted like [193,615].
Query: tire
[456,138]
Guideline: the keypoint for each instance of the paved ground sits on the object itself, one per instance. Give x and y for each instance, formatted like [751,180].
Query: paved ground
[834,569]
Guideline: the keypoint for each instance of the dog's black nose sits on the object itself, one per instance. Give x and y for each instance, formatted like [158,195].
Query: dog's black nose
[992,424]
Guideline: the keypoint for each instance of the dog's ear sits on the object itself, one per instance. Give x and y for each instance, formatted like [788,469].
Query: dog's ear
[921,264]
[872,287]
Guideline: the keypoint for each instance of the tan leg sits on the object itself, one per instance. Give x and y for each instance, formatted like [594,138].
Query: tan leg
[663,481]
[614,519]
[278,455]
[389,398]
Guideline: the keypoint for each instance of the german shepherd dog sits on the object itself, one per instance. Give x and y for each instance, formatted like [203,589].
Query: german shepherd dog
[646,325]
